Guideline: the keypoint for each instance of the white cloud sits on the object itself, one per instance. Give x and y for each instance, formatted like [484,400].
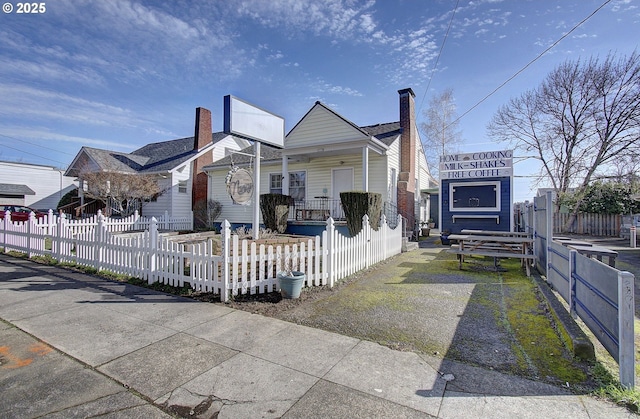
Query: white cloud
[42,105]
[335,18]
[325,87]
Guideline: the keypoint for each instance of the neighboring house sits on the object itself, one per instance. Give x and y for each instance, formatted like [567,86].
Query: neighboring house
[36,186]
[176,163]
[326,154]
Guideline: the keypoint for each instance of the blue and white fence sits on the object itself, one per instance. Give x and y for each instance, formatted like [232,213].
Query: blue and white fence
[603,297]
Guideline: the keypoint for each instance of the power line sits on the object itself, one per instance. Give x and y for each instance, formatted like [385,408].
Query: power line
[446,35]
[37,145]
[531,62]
[35,155]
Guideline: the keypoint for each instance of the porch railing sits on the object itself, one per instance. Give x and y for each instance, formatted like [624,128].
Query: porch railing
[320,209]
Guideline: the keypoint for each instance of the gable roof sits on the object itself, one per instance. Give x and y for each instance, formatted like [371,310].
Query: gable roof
[321,106]
[152,158]
[385,133]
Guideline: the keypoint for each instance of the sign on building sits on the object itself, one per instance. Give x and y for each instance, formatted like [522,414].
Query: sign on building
[476,191]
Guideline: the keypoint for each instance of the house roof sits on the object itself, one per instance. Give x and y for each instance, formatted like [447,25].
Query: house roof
[152,158]
[11,189]
[385,133]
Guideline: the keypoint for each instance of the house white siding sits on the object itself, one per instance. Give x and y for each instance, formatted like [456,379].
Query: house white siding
[319,181]
[181,198]
[321,127]
[393,162]
[48,183]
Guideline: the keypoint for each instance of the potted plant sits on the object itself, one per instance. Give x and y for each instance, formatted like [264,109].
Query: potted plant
[444,237]
[290,281]
[431,223]
[425,228]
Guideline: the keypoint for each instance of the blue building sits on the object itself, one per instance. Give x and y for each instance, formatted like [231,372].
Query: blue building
[476,191]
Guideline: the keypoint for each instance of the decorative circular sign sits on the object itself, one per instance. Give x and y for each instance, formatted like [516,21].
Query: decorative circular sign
[240,186]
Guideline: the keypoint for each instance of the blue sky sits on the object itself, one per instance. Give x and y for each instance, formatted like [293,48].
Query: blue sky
[119,74]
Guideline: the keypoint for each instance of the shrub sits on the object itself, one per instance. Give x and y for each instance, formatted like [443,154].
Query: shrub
[356,205]
[275,211]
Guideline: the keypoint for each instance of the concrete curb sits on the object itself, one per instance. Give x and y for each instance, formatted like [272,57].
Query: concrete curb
[570,332]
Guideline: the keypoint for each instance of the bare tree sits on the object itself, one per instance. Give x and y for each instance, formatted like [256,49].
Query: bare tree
[124,191]
[441,129]
[579,123]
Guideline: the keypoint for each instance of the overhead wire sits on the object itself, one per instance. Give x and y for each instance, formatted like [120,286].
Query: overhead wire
[435,64]
[531,62]
[33,154]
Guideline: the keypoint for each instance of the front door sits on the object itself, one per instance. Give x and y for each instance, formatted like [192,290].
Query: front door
[342,181]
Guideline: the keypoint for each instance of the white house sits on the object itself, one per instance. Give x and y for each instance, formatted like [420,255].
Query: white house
[176,163]
[325,154]
[36,186]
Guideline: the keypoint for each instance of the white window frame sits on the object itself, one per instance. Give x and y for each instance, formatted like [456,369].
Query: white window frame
[182,186]
[496,185]
[279,190]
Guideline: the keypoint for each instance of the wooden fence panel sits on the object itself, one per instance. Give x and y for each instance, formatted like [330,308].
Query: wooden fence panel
[589,224]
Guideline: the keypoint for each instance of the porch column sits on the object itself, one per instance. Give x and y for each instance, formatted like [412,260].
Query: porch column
[285,175]
[365,169]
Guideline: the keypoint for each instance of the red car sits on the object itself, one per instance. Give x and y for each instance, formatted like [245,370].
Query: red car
[19,212]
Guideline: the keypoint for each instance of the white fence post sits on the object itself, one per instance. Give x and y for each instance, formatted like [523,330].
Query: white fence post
[56,242]
[30,222]
[4,231]
[329,246]
[366,228]
[226,235]
[625,329]
[153,250]
[384,227]
[98,237]
[51,222]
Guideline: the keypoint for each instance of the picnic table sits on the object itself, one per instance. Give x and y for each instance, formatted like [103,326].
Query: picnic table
[495,233]
[496,246]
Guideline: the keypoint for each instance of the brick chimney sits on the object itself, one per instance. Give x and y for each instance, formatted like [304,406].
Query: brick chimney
[407,175]
[202,137]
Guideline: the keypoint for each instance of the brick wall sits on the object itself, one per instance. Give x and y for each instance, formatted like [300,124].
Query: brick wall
[202,137]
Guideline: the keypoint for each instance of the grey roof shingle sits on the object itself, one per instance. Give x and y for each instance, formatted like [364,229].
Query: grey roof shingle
[11,189]
[386,132]
[152,158]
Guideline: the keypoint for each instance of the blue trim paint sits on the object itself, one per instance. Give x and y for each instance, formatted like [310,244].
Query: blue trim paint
[227,114]
[298,229]
[504,215]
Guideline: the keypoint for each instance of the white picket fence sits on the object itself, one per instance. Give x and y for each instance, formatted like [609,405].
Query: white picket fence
[130,223]
[240,267]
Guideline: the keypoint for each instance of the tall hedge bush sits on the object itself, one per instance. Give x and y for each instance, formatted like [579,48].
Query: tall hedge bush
[356,204]
[275,211]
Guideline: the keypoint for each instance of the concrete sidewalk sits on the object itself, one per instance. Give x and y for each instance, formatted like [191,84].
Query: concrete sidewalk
[72,345]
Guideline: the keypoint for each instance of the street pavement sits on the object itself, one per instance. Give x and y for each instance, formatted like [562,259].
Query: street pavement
[73,345]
